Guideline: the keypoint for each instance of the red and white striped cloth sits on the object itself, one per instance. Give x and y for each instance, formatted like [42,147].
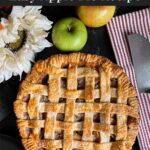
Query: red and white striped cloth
[118,29]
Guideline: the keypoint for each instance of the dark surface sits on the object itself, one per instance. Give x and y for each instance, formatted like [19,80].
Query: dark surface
[98,43]
[7,143]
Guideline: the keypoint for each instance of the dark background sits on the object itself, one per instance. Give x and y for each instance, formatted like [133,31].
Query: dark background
[98,43]
[76,2]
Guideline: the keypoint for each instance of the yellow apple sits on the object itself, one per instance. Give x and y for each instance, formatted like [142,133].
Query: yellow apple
[95,16]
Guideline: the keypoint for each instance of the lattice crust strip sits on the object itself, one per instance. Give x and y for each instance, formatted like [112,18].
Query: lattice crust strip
[77,101]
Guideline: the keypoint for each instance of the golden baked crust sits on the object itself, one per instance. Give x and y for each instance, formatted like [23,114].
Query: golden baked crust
[77,101]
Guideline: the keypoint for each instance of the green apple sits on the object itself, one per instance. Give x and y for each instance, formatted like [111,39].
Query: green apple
[69,34]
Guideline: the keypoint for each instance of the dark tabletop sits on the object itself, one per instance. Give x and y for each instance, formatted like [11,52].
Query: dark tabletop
[98,43]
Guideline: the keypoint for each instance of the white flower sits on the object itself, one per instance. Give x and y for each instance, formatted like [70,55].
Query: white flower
[30,20]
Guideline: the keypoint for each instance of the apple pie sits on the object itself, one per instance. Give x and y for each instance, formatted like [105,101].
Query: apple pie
[75,102]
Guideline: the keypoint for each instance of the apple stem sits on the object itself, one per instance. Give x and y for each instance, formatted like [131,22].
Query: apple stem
[70,28]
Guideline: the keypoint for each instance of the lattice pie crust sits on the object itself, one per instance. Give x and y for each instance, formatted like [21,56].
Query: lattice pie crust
[77,101]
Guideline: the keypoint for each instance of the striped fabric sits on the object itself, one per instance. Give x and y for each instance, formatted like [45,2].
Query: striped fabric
[118,29]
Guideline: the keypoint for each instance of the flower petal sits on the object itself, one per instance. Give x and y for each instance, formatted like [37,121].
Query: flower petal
[2,54]
[43,23]
[1,77]
[38,47]
[11,63]
[2,43]
[7,74]
[32,10]
[17,12]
